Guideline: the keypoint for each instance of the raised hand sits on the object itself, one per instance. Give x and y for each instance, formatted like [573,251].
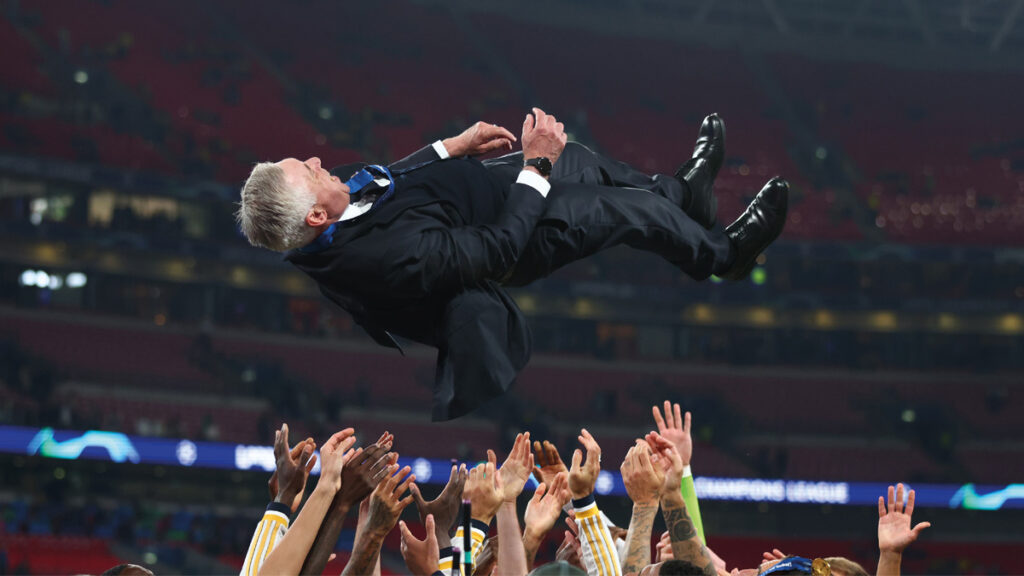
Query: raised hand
[516,469]
[775,554]
[549,463]
[365,472]
[570,551]
[484,491]
[675,429]
[642,478]
[480,138]
[583,474]
[664,548]
[669,460]
[386,501]
[894,531]
[334,455]
[543,136]
[444,508]
[421,556]
[288,482]
[546,505]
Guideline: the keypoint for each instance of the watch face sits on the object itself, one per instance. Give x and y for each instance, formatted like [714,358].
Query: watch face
[542,164]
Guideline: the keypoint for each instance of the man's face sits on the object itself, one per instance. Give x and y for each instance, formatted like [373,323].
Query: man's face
[331,193]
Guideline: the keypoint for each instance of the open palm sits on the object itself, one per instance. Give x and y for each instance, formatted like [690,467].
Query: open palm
[676,429]
[894,521]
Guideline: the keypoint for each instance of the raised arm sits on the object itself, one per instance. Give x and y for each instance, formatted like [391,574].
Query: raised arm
[686,545]
[287,558]
[643,482]
[447,259]
[287,487]
[600,556]
[386,505]
[894,531]
[675,427]
[542,512]
[359,477]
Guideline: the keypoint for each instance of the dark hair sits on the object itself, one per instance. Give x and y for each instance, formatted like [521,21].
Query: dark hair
[680,568]
[116,570]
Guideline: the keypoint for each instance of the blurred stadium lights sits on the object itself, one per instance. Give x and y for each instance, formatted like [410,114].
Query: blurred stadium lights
[43,279]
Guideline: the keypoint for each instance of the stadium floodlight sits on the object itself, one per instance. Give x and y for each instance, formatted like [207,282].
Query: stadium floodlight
[42,279]
[27,278]
[76,280]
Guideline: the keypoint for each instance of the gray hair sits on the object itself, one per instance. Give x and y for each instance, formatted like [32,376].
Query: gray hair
[272,214]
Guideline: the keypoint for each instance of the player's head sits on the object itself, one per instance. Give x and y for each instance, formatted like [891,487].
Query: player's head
[127,570]
[286,204]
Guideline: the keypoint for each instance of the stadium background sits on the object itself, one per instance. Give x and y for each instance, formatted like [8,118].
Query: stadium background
[880,340]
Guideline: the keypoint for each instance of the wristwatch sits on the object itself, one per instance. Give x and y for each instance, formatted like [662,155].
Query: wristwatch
[542,164]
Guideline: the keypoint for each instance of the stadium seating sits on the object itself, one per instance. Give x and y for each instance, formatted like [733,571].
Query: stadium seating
[930,181]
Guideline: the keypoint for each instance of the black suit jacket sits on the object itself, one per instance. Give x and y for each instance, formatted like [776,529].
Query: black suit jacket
[427,265]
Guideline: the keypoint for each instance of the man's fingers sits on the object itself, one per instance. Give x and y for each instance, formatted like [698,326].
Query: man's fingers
[335,440]
[910,504]
[577,458]
[658,419]
[891,499]
[420,502]
[539,493]
[899,497]
[551,451]
[279,447]
[501,132]
[669,419]
[686,422]
[881,506]
[920,527]
[538,451]
[406,482]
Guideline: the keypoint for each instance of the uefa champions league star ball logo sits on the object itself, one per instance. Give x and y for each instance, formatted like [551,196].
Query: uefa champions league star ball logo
[187,452]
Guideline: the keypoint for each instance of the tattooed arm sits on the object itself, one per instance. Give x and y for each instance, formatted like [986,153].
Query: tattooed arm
[686,544]
[644,481]
[683,535]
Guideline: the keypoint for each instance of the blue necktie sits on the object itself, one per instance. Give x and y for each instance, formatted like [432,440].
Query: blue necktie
[364,182]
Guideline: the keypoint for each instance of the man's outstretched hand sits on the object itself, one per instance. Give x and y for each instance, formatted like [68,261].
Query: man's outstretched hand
[444,508]
[676,429]
[894,521]
[543,136]
[480,138]
[288,482]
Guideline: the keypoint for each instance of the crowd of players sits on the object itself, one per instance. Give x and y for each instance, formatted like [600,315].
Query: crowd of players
[655,471]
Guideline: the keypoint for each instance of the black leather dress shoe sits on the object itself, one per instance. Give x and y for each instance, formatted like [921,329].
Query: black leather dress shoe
[698,174]
[758,226]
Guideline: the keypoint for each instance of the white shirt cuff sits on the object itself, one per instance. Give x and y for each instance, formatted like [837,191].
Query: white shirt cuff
[687,472]
[441,150]
[535,181]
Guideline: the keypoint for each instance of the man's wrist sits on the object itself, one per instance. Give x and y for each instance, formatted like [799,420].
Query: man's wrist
[895,554]
[534,170]
[453,146]
[645,504]
[483,518]
[673,496]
